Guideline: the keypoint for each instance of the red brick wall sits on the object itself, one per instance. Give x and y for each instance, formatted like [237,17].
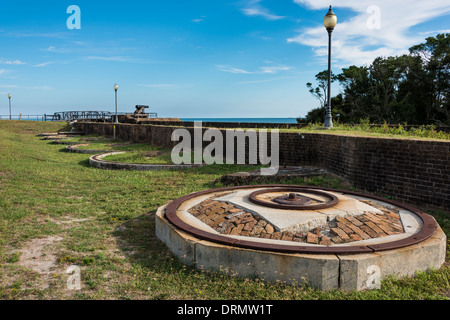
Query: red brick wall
[413,171]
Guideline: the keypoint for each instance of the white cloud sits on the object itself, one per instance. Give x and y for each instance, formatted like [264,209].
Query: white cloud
[264,80]
[357,40]
[44,64]
[162,85]
[274,69]
[260,70]
[39,88]
[2,71]
[11,86]
[12,62]
[114,58]
[254,8]
[39,35]
[259,35]
[57,50]
[435,32]
[198,20]
[232,69]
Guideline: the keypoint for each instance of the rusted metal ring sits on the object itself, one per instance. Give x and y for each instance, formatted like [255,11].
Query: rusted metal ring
[333,200]
[428,230]
[292,199]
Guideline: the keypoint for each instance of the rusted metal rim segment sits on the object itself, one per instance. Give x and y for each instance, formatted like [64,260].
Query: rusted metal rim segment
[74,133]
[428,230]
[53,134]
[99,159]
[75,148]
[333,200]
[63,142]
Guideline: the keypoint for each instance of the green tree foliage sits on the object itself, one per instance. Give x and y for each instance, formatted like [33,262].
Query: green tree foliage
[412,88]
[321,91]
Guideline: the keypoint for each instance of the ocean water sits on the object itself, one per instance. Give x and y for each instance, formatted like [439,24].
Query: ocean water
[244,120]
[21,119]
[237,120]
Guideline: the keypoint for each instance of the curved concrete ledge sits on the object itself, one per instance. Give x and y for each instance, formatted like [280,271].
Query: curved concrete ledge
[324,268]
[73,133]
[322,271]
[53,134]
[75,149]
[57,137]
[66,143]
[97,161]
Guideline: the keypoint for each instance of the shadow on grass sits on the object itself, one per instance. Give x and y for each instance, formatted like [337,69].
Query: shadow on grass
[85,163]
[67,128]
[137,237]
[138,241]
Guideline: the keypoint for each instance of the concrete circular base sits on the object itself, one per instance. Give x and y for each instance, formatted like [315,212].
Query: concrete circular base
[73,133]
[65,143]
[75,149]
[357,264]
[58,137]
[284,173]
[48,134]
[97,161]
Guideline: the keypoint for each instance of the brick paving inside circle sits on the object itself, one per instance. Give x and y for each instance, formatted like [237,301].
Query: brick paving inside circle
[227,219]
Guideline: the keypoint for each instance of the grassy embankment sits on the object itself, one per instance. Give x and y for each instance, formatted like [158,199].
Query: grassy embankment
[365,129]
[57,211]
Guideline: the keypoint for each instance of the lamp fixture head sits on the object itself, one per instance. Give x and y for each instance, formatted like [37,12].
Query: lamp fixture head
[330,20]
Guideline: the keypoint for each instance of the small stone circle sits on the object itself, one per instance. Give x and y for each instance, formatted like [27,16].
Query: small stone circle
[99,162]
[52,134]
[75,149]
[283,173]
[54,138]
[65,143]
[332,248]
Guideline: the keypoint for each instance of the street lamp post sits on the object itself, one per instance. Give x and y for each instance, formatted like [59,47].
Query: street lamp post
[9,97]
[116,120]
[329,22]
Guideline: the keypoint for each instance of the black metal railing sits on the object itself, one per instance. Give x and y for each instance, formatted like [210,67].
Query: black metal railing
[71,116]
[80,115]
[38,117]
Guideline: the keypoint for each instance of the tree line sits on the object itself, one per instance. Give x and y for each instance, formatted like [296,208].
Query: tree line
[413,88]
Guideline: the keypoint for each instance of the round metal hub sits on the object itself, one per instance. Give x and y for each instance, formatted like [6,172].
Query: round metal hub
[294,199]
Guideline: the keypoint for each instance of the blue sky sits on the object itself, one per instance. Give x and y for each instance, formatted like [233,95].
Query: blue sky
[196,58]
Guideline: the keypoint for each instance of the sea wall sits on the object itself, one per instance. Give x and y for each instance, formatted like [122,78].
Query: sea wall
[412,171]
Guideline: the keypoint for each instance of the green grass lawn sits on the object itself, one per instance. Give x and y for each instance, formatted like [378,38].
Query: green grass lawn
[141,158]
[54,207]
[365,129]
[379,132]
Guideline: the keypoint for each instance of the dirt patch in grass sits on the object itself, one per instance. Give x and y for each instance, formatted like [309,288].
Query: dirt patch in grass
[6,175]
[152,154]
[39,255]
[75,198]
[70,221]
